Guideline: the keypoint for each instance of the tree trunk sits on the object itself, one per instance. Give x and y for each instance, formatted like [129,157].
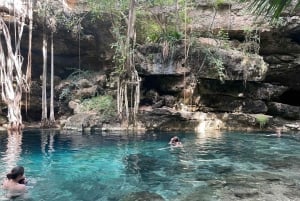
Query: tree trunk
[44,121]
[29,56]
[52,118]
[129,82]
[11,74]
[177,15]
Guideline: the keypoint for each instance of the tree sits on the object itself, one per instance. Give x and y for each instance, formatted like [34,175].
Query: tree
[13,81]
[49,25]
[164,15]
[128,80]
[44,120]
[52,118]
[271,7]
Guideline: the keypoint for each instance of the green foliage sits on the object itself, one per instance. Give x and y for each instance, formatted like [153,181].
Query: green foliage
[65,94]
[152,26]
[118,11]
[119,46]
[73,78]
[252,41]
[172,37]
[262,119]
[80,74]
[224,37]
[70,22]
[153,37]
[146,29]
[159,2]
[270,7]
[52,17]
[101,104]
[115,8]
[219,3]
[165,25]
[216,62]
[278,22]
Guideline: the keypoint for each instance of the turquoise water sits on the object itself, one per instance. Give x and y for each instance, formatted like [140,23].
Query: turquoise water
[111,167]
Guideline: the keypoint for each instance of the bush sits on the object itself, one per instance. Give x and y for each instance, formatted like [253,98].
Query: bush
[105,105]
[262,119]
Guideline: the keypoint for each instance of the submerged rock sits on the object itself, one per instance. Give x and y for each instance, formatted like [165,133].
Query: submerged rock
[139,163]
[143,196]
[245,193]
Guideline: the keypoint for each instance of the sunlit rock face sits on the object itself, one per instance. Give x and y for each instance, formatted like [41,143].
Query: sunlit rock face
[235,66]
[228,16]
[152,61]
[279,41]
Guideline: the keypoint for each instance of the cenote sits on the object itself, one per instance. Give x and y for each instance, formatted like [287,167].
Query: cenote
[117,166]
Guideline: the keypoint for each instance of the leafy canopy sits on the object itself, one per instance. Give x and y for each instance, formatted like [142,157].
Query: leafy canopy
[156,20]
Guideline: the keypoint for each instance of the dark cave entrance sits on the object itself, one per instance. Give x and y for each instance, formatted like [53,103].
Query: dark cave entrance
[295,37]
[290,97]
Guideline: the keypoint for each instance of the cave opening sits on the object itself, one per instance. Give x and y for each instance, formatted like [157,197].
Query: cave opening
[163,84]
[295,37]
[290,97]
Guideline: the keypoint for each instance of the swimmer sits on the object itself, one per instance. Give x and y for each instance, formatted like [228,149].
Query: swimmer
[175,142]
[14,183]
[277,133]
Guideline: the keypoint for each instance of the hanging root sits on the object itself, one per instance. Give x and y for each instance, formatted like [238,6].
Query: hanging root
[129,92]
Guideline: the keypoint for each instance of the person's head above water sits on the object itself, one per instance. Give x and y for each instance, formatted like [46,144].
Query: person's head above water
[15,173]
[176,139]
[14,184]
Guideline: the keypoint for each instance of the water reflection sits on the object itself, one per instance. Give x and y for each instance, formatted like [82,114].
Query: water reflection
[14,149]
[204,137]
[47,141]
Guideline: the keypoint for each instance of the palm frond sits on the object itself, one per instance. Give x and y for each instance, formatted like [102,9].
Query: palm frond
[269,7]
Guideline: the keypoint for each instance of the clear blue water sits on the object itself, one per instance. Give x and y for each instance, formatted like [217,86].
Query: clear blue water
[111,167]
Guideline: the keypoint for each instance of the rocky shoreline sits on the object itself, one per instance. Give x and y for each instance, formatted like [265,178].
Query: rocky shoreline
[168,119]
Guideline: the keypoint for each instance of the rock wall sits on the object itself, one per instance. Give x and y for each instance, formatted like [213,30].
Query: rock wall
[253,70]
[259,74]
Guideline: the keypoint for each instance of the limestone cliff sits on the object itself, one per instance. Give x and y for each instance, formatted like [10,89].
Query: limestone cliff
[237,64]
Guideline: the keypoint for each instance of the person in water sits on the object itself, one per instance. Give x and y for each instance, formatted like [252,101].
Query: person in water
[175,142]
[278,132]
[15,182]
